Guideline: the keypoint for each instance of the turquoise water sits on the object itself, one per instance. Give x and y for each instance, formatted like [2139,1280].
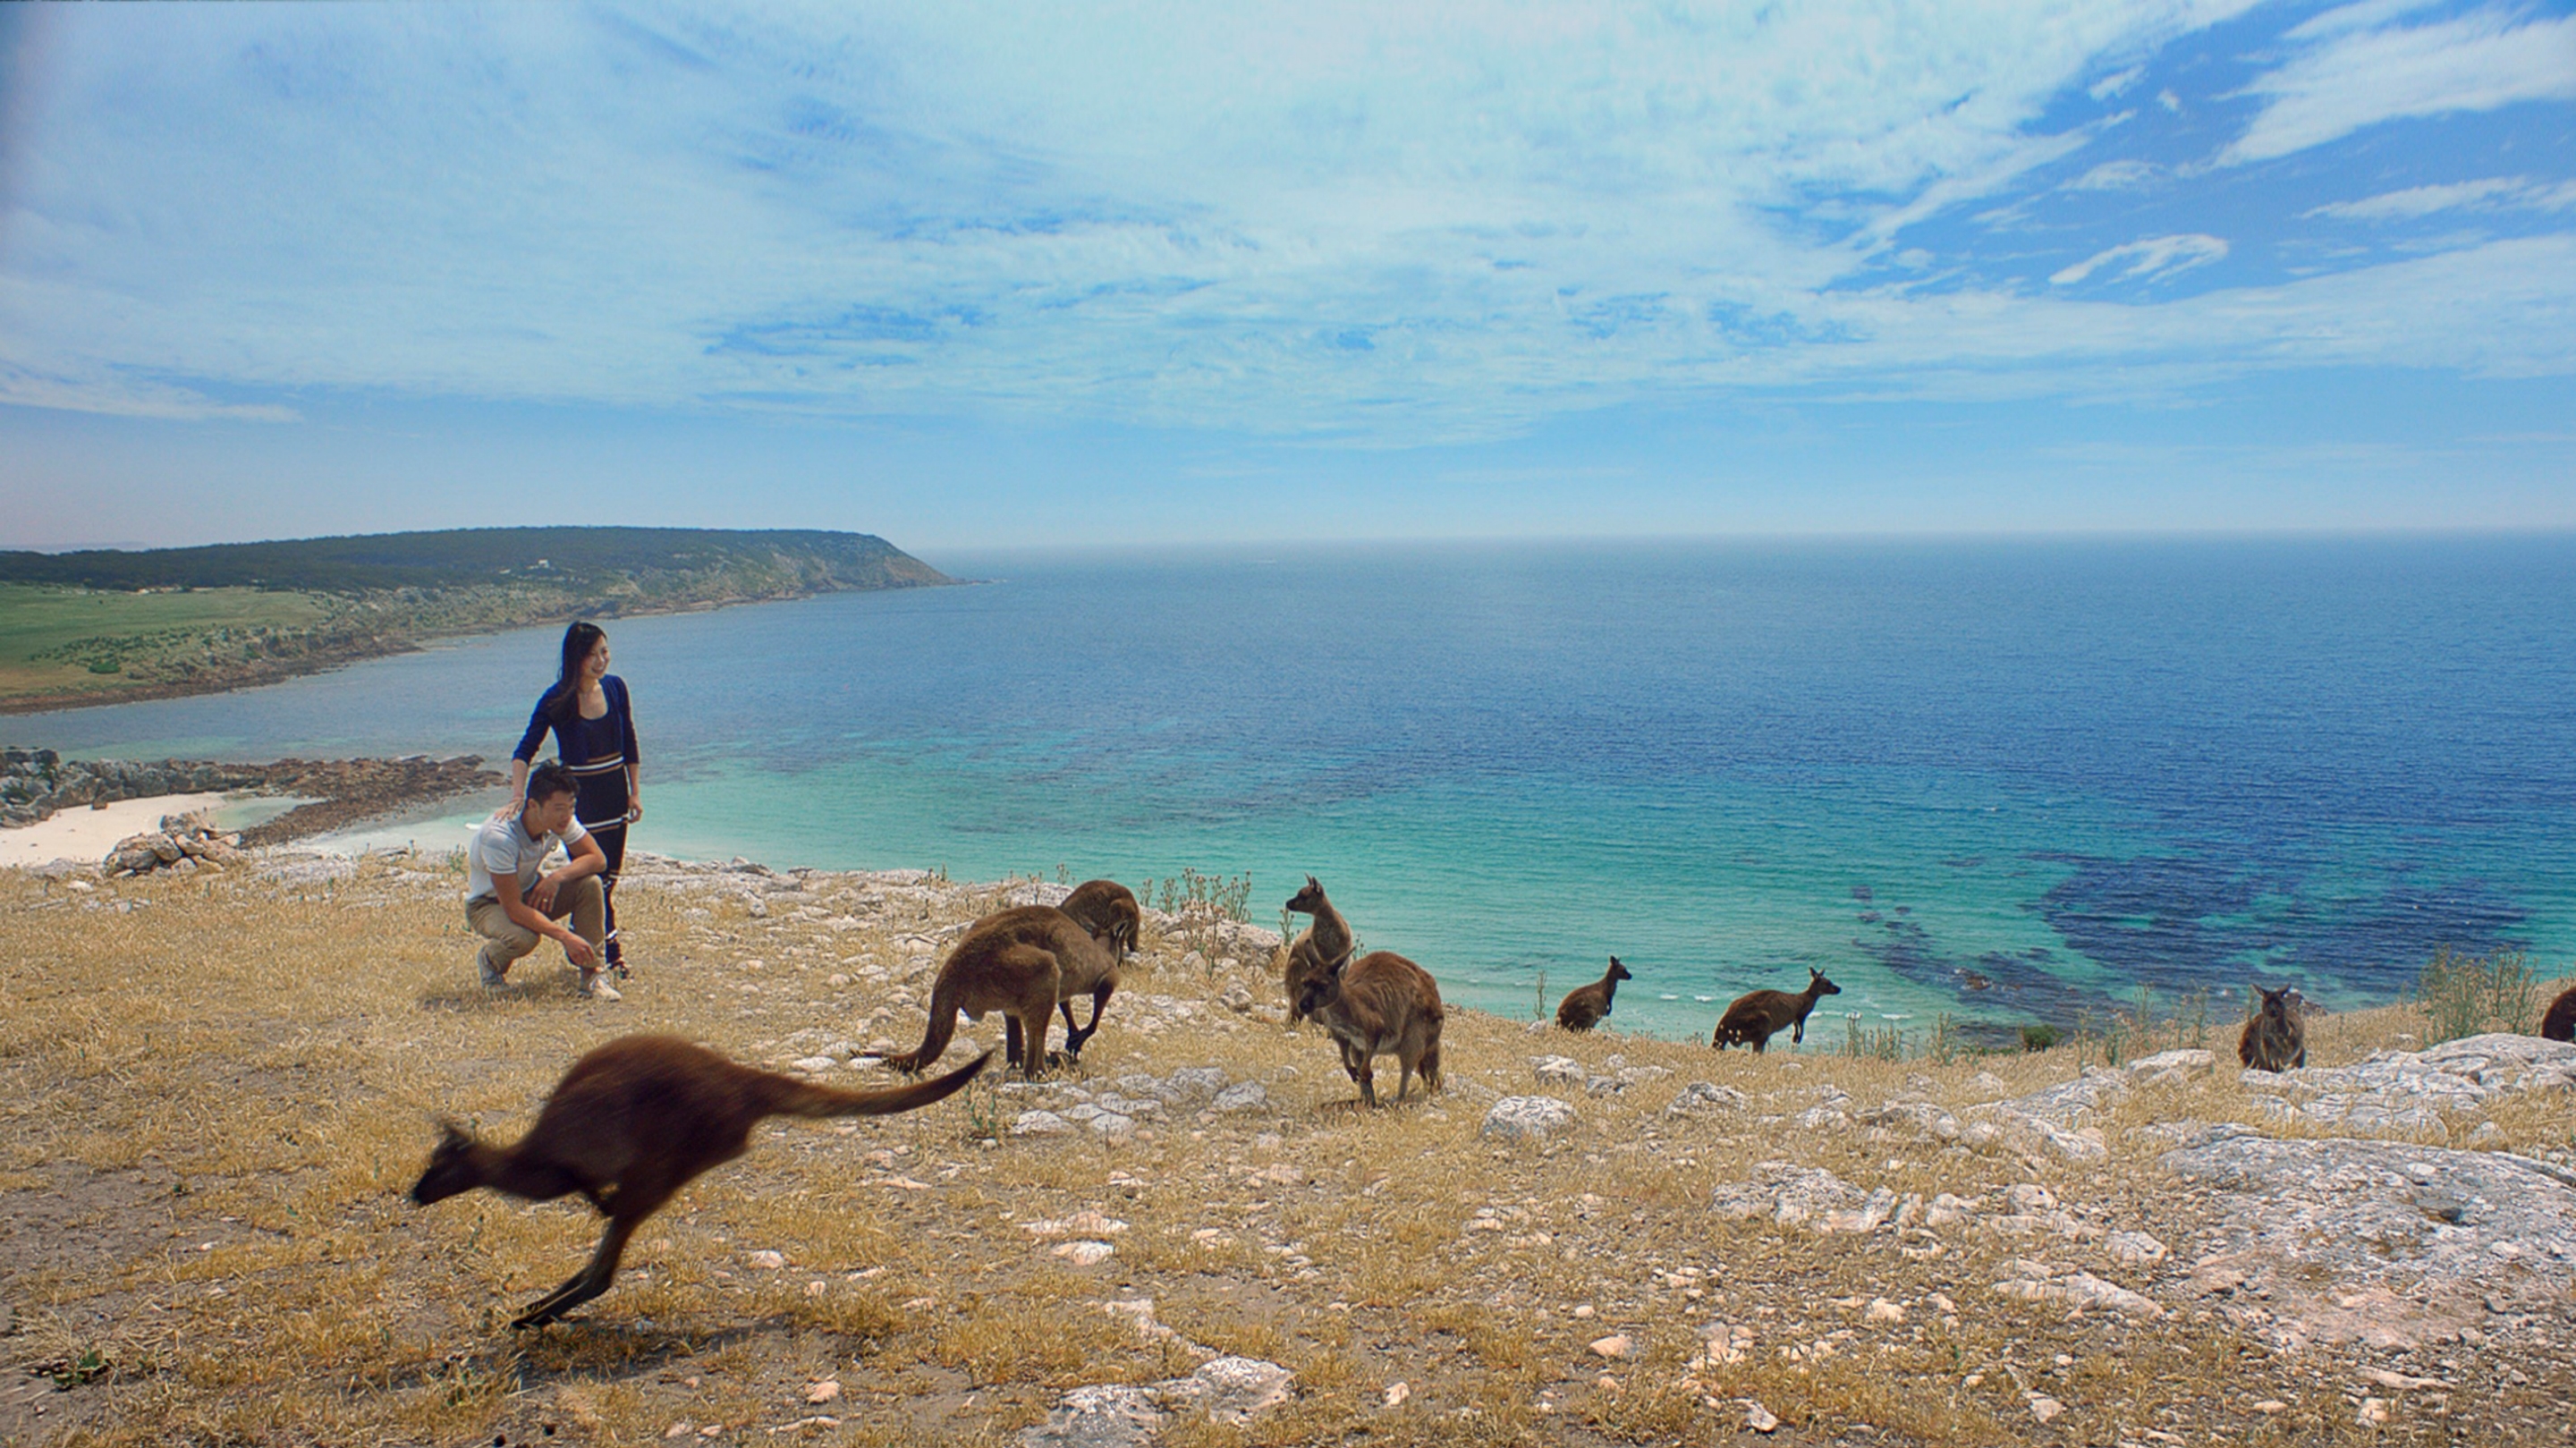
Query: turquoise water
[2009,781]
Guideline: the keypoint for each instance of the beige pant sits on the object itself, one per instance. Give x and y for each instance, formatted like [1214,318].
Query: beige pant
[506,939]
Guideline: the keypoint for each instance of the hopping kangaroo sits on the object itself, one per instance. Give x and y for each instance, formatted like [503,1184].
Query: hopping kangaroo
[1024,962]
[1758,1015]
[1109,911]
[2275,1037]
[1380,1005]
[1584,1006]
[633,1122]
[2560,1023]
[1319,949]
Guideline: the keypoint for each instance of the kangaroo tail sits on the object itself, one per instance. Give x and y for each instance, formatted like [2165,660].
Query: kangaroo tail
[791,1097]
[934,1039]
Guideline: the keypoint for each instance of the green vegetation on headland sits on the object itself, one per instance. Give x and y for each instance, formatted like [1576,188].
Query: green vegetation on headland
[106,626]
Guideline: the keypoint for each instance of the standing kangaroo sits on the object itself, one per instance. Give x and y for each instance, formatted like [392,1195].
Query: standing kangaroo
[2559,1023]
[1758,1015]
[1319,950]
[1584,1006]
[1109,911]
[1024,962]
[629,1125]
[1380,1005]
[2275,1036]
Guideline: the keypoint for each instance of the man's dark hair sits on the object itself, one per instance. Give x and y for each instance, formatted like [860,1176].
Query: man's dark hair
[548,780]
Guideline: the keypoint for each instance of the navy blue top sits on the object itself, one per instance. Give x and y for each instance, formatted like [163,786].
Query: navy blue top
[586,746]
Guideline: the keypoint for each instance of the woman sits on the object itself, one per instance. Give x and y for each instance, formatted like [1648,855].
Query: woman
[594,730]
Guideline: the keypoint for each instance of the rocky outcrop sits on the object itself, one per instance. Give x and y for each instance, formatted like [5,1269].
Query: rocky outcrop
[2392,1244]
[1228,1390]
[34,783]
[183,844]
[2409,1093]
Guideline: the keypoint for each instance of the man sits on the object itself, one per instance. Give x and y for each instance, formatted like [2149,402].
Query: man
[508,904]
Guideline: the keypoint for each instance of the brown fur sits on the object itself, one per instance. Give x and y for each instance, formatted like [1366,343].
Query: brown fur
[1319,949]
[1109,911]
[1584,1006]
[1757,1016]
[1023,962]
[1380,1005]
[633,1122]
[2275,1037]
[2560,1022]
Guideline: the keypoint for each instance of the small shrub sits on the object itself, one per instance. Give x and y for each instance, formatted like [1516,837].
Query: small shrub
[2038,1038]
[2469,995]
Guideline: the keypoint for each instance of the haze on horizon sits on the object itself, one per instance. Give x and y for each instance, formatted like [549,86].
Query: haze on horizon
[988,275]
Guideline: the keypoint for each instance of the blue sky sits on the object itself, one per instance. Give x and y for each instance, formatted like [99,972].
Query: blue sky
[977,274]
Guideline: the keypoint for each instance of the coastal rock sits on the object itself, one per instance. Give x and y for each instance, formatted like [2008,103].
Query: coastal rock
[1527,1118]
[1040,1123]
[1228,1390]
[2172,1068]
[1791,1195]
[2079,1290]
[2389,1243]
[1242,1096]
[1557,1070]
[1702,1098]
[2408,1094]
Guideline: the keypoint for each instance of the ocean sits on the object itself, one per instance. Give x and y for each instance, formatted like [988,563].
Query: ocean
[2004,780]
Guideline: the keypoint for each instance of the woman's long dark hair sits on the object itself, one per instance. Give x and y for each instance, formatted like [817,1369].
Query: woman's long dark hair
[565,700]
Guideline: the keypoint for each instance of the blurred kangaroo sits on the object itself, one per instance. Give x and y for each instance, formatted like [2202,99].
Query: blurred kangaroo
[1025,962]
[1757,1016]
[1584,1006]
[1109,911]
[1380,1005]
[1319,949]
[2276,1035]
[2560,1023]
[629,1125]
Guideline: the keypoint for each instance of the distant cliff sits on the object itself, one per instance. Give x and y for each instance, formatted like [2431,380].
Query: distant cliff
[107,625]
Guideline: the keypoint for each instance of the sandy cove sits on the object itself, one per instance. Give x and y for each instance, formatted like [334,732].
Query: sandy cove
[203,1179]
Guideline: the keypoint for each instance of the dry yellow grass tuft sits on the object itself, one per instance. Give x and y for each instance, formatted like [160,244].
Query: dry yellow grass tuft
[218,1089]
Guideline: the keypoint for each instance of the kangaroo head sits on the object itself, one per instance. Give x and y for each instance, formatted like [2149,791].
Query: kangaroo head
[1318,990]
[1816,982]
[1618,971]
[2280,1007]
[1108,911]
[1308,900]
[451,1167]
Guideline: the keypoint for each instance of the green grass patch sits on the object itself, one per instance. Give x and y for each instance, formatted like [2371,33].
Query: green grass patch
[76,640]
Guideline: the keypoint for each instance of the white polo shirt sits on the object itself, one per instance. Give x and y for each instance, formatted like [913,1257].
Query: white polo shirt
[503,849]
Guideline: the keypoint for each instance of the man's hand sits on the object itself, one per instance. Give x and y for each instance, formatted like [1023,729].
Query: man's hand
[578,951]
[541,896]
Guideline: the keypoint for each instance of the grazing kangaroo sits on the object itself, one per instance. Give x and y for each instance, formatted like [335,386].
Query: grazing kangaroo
[633,1122]
[1109,911]
[1758,1015]
[2560,1023]
[1024,962]
[1321,948]
[1584,1006]
[1380,1005]
[2276,1036]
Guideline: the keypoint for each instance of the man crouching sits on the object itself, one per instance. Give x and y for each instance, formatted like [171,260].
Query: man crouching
[510,906]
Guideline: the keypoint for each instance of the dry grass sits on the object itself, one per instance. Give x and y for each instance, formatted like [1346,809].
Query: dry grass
[219,1089]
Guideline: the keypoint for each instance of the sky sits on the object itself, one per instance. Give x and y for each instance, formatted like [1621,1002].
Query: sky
[973,275]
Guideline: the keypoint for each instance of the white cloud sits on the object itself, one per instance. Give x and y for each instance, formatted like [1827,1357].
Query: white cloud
[2117,176]
[2362,75]
[2421,201]
[2149,260]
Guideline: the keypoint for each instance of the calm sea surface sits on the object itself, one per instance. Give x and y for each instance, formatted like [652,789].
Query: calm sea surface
[2007,780]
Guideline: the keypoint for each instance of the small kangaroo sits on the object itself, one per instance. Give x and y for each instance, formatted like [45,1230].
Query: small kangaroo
[1584,1006]
[1109,911]
[2276,1035]
[2560,1023]
[1024,962]
[1380,1005]
[1758,1015]
[1321,948]
[629,1125]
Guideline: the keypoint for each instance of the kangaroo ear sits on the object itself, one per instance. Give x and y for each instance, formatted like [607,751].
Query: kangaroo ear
[1313,884]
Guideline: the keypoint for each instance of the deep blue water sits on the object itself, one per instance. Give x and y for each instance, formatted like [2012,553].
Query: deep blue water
[2060,768]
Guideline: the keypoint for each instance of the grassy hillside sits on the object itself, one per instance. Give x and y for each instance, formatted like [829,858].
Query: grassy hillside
[108,625]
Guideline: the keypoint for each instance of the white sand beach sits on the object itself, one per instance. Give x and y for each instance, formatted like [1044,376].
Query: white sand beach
[88,834]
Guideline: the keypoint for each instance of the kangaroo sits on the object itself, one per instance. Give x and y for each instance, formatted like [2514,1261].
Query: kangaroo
[2276,1035]
[1321,948]
[1758,1015]
[629,1125]
[1109,911]
[1380,1005]
[2560,1023]
[1024,962]
[1584,1006]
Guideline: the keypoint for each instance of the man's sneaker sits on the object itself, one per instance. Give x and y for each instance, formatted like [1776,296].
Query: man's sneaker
[492,979]
[594,984]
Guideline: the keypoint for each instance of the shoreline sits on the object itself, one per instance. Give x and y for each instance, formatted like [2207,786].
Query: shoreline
[327,795]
